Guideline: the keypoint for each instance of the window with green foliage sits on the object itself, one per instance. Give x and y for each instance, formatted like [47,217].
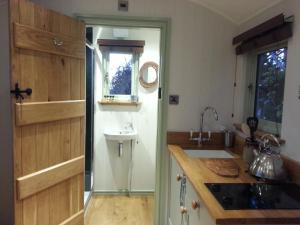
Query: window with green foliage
[270,85]
[266,87]
[120,71]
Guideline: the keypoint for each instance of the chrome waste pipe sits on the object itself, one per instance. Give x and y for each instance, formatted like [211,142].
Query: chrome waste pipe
[120,149]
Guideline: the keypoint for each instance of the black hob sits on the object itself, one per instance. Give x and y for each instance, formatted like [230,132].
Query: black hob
[256,196]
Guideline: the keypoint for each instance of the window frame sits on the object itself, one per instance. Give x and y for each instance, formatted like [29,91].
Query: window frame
[134,76]
[251,84]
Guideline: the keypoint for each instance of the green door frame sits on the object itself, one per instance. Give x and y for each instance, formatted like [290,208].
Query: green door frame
[162,159]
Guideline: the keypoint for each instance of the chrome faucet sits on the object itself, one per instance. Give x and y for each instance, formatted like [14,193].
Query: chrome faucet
[202,139]
[129,126]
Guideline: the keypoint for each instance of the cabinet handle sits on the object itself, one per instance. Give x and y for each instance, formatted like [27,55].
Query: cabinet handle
[179,177]
[195,204]
[183,210]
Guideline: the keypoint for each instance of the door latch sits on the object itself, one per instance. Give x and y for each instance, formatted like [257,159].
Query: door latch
[18,92]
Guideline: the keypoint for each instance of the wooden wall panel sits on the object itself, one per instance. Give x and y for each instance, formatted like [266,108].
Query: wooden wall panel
[17,134]
[41,145]
[59,208]
[42,179]
[29,166]
[75,135]
[32,113]
[27,37]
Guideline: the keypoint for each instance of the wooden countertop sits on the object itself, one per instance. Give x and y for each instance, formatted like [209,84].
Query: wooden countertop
[198,174]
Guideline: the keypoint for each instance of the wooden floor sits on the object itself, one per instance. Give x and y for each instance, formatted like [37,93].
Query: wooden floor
[120,210]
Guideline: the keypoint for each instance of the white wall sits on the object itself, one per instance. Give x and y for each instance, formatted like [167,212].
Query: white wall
[202,58]
[6,172]
[111,171]
[291,106]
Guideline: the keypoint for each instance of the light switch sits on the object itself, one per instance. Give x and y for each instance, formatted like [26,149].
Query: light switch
[174,99]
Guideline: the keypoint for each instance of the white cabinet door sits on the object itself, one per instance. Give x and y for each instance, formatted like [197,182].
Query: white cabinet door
[174,196]
[200,215]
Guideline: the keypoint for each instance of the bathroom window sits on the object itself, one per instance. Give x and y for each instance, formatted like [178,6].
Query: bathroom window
[120,75]
[120,68]
[266,87]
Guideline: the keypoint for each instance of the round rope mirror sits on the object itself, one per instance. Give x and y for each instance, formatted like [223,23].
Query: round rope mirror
[149,75]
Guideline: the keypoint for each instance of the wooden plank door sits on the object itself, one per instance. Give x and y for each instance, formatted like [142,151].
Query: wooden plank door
[48,56]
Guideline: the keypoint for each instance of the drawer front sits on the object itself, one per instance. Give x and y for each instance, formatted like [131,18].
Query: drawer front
[174,195]
[27,37]
[200,215]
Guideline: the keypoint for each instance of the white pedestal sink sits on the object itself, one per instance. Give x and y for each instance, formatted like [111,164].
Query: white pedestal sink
[120,136]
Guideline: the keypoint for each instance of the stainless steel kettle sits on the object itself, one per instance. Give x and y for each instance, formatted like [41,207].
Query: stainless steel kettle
[268,163]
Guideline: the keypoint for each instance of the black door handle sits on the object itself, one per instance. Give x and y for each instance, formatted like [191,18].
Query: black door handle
[18,92]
